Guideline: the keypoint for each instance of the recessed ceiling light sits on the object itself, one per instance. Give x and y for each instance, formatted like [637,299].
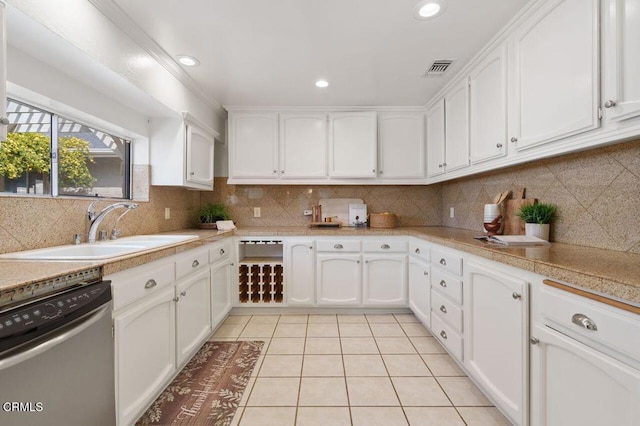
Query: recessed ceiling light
[429,9]
[188,61]
[322,83]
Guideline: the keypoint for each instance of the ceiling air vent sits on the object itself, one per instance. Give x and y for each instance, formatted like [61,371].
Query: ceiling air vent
[438,68]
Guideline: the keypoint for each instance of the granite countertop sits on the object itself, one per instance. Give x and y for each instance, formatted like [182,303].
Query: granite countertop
[612,273]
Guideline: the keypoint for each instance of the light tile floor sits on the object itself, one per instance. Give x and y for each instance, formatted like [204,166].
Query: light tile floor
[353,370]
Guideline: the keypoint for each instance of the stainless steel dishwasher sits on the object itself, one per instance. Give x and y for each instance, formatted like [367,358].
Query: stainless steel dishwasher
[56,352]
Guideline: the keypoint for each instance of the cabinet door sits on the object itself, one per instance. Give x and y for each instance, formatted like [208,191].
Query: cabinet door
[384,280]
[621,67]
[573,384]
[299,259]
[353,144]
[199,145]
[419,291]
[496,346]
[402,147]
[220,292]
[193,313]
[456,105]
[253,139]
[338,279]
[145,348]
[303,145]
[488,107]
[556,73]
[435,140]
[3,72]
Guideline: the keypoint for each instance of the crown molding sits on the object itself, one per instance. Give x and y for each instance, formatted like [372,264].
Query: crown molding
[115,14]
[326,108]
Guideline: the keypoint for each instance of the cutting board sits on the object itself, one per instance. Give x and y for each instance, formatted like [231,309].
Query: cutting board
[337,208]
[513,225]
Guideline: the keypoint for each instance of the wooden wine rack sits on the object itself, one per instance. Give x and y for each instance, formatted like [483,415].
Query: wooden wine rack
[260,273]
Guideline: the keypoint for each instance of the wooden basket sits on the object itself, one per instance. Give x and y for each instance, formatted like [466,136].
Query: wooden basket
[382,220]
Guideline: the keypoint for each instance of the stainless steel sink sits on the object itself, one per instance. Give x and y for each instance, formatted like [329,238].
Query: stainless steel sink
[101,250]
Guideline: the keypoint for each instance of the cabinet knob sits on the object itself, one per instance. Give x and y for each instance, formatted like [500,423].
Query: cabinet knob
[337,246]
[381,172]
[358,262]
[443,261]
[310,247]
[176,299]
[514,139]
[444,164]
[516,295]
[610,104]
[374,170]
[440,165]
[443,309]
[183,293]
[281,171]
[195,263]
[417,251]
[275,171]
[425,273]
[498,145]
[221,252]
[534,341]
[584,321]
[366,261]
[150,283]
[443,334]
[443,284]
[385,246]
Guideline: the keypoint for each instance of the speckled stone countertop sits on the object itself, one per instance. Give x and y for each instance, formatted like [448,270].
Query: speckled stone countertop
[612,273]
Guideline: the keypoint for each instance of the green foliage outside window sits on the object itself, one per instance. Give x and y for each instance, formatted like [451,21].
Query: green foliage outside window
[73,169]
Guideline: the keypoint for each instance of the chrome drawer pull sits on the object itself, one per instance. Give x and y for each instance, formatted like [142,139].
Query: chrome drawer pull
[385,246]
[195,264]
[221,252]
[417,251]
[443,284]
[443,309]
[584,321]
[150,284]
[443,334]
[443,262]
[338,246]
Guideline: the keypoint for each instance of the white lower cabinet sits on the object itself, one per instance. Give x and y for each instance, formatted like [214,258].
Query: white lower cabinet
[496,336]
[338,279]
[145,357]
[299,259]
[193,314]
[385,279]
[420,290]
[573,384]
[220,291]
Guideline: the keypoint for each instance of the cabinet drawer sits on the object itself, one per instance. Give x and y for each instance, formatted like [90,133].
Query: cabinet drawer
[449,312]
[129,286]
[221,250]
[420,249]
[447,285]
[192,261]
[449,261]
[384,246]
[338,246]
[447,337]
[617,330]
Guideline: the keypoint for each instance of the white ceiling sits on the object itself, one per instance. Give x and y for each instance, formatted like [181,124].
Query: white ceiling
[373,52]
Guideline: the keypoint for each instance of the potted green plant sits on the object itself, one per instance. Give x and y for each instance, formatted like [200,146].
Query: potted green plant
[537,218]
[210,213]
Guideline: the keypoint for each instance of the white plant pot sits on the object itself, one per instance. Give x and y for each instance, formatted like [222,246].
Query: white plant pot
[537,230]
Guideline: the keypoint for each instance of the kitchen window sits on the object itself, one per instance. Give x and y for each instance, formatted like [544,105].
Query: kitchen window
[47,154]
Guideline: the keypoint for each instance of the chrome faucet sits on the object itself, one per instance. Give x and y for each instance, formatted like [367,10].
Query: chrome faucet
[96,219]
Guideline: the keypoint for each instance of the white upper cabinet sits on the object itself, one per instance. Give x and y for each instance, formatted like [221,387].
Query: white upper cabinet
[435,139]
[181,152]
[402,146]
[555,73]
[253,150]
[456,105]
[353,144]
[488,107]
[303,145]
[3,73]
[621,59]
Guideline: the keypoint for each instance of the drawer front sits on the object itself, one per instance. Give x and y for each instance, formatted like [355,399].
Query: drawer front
[447,337]
[221,250]
[420,249]
[446,260]
[616,329]
[449,312]
[338,246]
[385,246]
[129,286]
[447,285]
[192,261]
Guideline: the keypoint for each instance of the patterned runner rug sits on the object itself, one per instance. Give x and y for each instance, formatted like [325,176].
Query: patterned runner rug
[208,389]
